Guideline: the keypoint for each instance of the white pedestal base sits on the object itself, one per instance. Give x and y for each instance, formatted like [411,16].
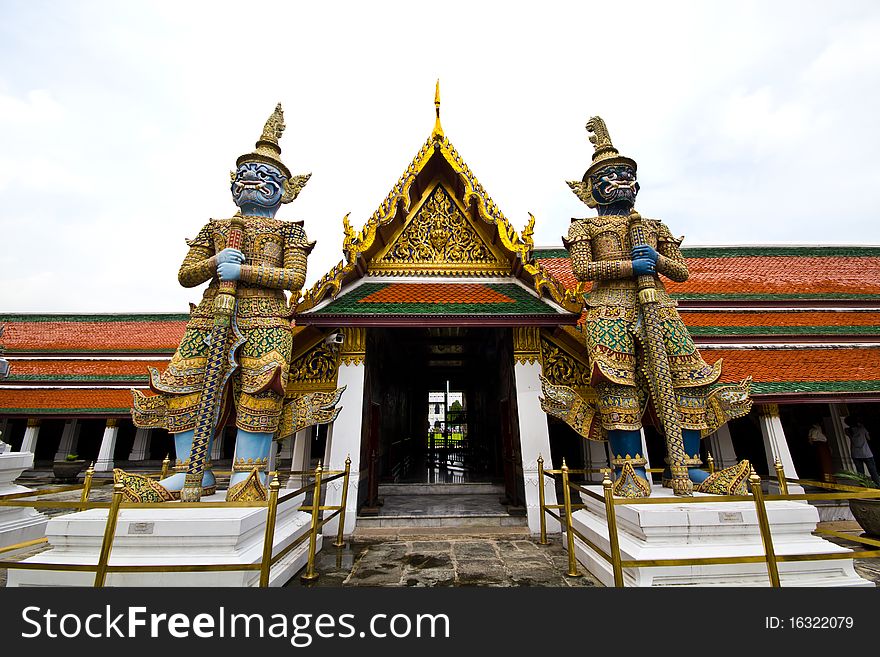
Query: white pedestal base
[683,531]
[159,537]
[18,524]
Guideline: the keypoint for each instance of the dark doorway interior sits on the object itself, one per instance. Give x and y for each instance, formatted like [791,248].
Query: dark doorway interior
[415,430]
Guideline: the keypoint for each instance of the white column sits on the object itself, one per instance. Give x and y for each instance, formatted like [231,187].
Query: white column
[3,436]
[301,457]
[843,450]
[108,446]
[776,446]
[31,433]
[534,437]
[345,441]
[69,438]
[287,448]
[273,456]
[647,458]
[217,445]
[721,447]
[595,456]
[141,445]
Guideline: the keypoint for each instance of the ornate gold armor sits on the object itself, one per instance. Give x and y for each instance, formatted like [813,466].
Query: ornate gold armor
[276,253]
[600,250]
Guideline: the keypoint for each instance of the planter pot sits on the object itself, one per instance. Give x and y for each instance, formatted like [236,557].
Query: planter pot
[67,471]
[867,514]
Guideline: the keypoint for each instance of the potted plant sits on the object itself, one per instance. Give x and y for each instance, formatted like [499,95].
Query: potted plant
[67,470]
[865,511]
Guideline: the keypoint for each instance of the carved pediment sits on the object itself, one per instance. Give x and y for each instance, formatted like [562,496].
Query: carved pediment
[439,239]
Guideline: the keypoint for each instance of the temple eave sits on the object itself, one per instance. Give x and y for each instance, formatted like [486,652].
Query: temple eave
[392,321]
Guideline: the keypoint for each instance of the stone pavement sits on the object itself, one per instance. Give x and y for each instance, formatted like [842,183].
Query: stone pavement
[467,560]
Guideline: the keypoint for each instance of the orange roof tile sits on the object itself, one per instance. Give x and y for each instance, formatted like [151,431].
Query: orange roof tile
[811,364]
[79,400]
[780,275]
[62,336]
[788,318]
[765,275]
[81,368]
[436,293]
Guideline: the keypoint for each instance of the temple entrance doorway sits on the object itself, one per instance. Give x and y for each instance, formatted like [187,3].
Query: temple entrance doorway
[440,414]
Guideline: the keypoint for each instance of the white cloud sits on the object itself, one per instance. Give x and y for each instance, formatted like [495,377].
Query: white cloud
[120,122]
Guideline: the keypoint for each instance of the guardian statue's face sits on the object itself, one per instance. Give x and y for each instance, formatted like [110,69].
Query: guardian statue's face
[257,185]
[615,184]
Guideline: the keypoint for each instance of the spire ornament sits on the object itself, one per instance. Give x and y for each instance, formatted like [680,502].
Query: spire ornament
[604,151]
[604,154]
[267,149]
[438,129]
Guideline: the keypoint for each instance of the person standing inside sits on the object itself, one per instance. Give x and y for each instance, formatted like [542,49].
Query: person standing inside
[860,450]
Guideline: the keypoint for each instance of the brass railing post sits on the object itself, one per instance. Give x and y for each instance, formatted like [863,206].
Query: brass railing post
[166,463]
[710,462]
[566,495]
[269,538]
[780,477]
[764,527]
[341,531]
[613,538]
[310,574]
[543,540]
[109,531]
[87,487]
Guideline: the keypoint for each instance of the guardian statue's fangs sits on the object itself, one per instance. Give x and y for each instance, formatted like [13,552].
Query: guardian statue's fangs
[642,358]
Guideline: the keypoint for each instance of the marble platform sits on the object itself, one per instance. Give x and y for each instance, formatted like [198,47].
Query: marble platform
[159,537]
[18,524]
[723,529]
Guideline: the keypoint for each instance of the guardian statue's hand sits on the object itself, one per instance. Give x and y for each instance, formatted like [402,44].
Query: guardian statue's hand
[643,267]
[229,271]
[645,251]
[230,255]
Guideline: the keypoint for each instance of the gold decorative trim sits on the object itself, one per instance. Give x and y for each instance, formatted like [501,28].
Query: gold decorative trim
[629,484]
[730,481]
[111,423]
[561,367]
[33,422]
[140,489]
[250,489]
[316,369]
[246,465]
[437,237]
[637,461]
[354,347]
[526,344]
[768,410]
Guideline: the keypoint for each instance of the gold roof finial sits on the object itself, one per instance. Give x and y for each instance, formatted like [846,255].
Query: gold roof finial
[438,129]
[267,149]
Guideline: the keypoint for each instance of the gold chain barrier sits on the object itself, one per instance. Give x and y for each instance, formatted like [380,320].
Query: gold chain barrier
[264,565]
[769,556]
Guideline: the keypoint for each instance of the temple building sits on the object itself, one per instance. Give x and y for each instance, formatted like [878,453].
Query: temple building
[439,320]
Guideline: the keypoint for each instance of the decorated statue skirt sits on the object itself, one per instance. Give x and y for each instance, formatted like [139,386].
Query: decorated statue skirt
[621,373]
[255,391]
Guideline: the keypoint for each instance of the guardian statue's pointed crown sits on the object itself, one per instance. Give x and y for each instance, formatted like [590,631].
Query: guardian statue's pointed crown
[267,149]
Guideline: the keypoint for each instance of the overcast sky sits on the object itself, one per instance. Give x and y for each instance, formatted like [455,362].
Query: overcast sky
[752,122]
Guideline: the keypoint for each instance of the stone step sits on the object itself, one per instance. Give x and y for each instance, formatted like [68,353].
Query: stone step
[395,533]
[471,522]
[441,489]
